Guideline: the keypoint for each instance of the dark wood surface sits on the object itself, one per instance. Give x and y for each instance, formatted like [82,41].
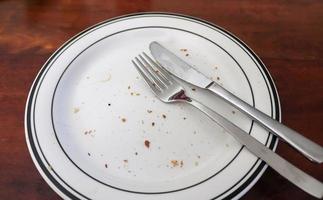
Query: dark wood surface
[287,35]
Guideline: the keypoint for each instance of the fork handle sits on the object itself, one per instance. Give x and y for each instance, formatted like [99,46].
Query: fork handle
[308,148]
[283,167]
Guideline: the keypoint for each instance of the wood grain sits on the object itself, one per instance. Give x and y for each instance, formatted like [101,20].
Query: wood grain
[287,36]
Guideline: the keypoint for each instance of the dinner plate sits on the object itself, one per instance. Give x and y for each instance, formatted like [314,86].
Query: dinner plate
[95,130]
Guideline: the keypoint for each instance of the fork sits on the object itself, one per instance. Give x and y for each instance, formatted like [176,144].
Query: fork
[169,90]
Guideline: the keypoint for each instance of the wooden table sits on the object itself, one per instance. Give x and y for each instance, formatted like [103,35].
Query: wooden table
[287,35]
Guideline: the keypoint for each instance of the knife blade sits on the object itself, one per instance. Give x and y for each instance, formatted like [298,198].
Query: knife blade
[181,69]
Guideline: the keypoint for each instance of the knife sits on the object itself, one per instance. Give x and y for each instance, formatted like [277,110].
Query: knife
[178,67]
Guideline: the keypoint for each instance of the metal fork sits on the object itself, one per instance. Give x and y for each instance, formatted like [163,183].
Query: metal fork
[169,90]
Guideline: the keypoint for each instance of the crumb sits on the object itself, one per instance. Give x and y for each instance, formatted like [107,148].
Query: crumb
[153,123]
[147,143]
[125,161]
[129,87]
[85,133]
[181,164]
[149,111]
[198,157]
[88,154]
[131,93]
[109,104]
[184,118]
[187,54]
[106,165]
[196,163]
[123,119]
[233,112]
[215,67]
[136,153]
[193,89]
[174,163]
[183,50]
[218,78]
[137,94]
[76,110]
[164,116]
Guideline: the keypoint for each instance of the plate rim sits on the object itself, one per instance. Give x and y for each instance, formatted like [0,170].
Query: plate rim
[237,193]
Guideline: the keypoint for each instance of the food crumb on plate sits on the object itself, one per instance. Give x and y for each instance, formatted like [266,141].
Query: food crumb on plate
[125,161]
[129,87]
[174,163]
[136,153]
[187,54]
[177,163]
[106,165]
[153,123]
[76,110]
[164,116]
[233,112]
[193,89]
[88,154]
[147,143]
[184,118]
[183,50]
[149,111]
[123,119]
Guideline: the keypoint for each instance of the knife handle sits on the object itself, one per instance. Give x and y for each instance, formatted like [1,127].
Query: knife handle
[308,148]
[280,165]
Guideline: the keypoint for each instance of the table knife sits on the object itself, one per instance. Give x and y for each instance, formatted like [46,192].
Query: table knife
[181,69]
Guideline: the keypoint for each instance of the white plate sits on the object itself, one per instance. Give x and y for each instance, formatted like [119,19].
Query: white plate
[88,115]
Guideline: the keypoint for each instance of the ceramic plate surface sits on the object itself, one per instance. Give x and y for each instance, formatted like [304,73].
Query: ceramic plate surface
[95,130]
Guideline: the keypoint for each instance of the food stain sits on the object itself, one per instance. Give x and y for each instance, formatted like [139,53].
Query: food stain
[108,78]
[76,110]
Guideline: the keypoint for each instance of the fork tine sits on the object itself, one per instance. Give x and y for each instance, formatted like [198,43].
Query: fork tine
[150,73]
[151,84]
[162,71]
[153,68]
[154,72]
